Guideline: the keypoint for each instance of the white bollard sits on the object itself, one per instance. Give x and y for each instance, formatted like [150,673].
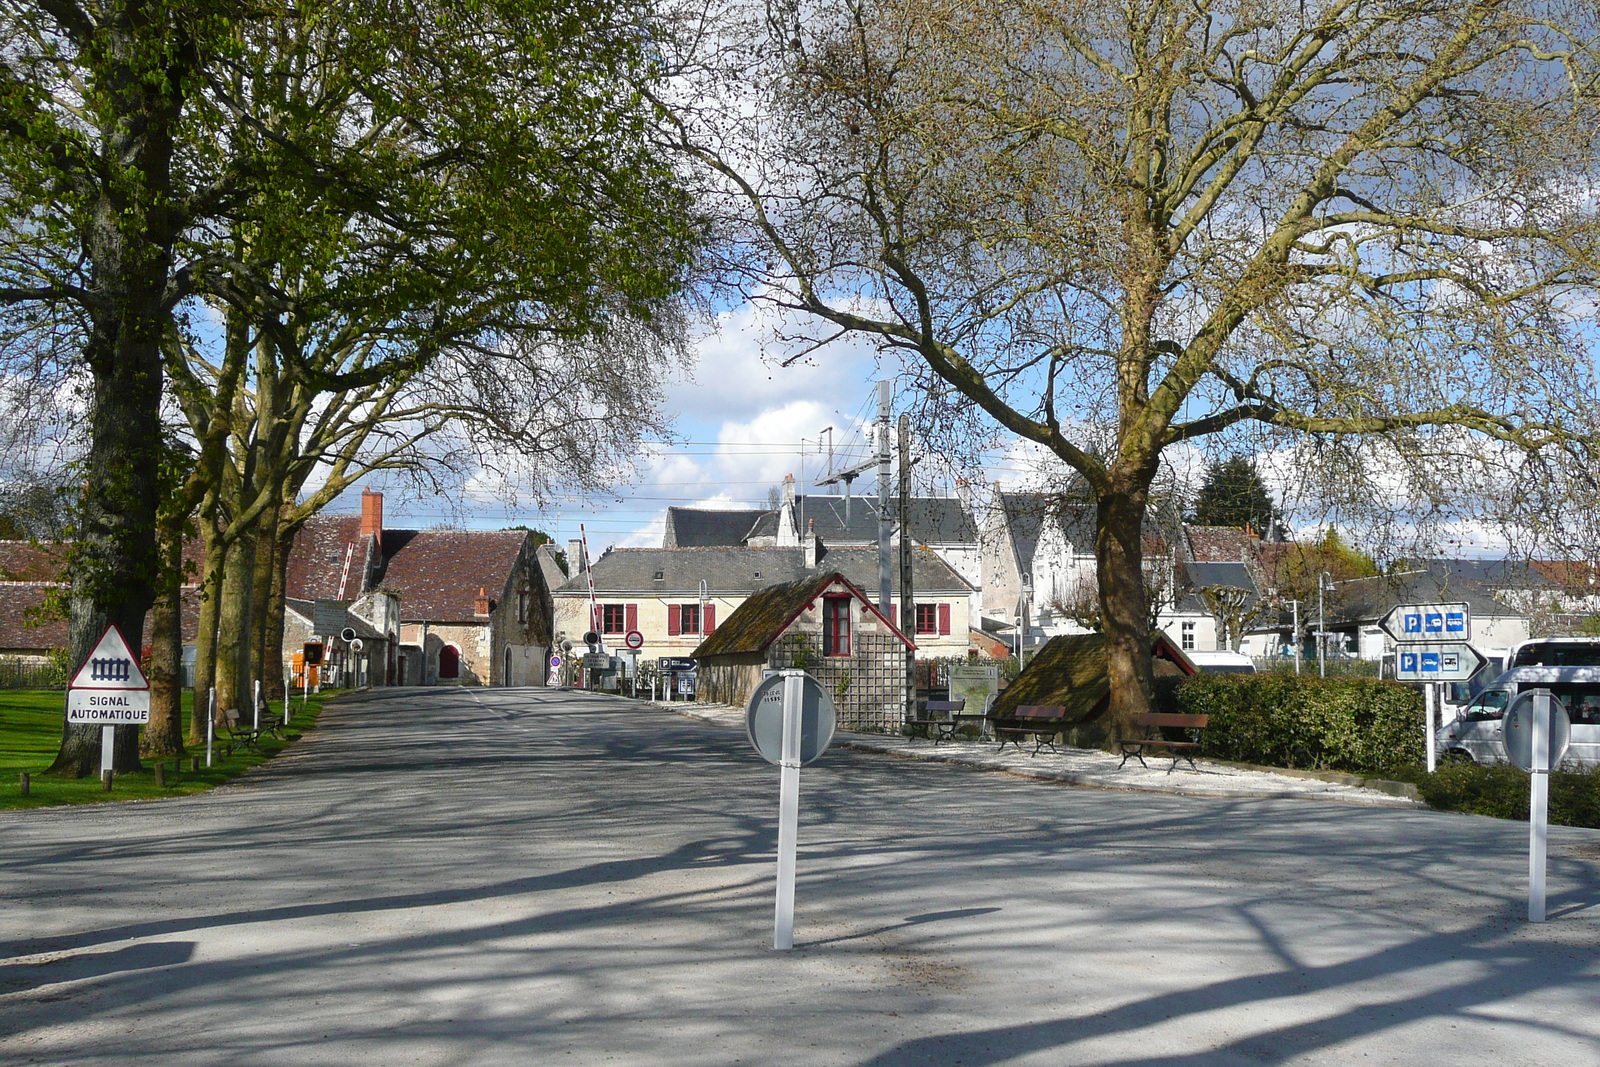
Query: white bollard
[1538,807]
[211,722]
[788,809]
[108,749]
[1430,701]
[257,721]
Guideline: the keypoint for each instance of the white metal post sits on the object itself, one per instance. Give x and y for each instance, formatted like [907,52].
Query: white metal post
[211,722]
[1295,637]
[108,749]
[1538,806]
[256,722]
[1430,701]
[788,808]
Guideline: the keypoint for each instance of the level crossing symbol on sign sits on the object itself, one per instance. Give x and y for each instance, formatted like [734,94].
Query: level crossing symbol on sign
[109,689]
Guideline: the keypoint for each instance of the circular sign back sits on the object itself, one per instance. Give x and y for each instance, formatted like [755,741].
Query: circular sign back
[634,640]
[1516,729]
[763,719]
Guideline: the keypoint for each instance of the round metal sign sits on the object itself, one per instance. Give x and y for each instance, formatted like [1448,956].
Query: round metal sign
[1517,729]
[763,719]
[634,640]
[555,661]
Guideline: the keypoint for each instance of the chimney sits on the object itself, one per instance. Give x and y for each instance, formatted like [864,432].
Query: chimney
[964,495]
[574,557]
[372,515]
[788,532]
[480,606]
[788,490]
[811,543]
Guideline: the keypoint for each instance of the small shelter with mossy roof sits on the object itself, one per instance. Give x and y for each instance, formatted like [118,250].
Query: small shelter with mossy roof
[1073,672]
[825,625]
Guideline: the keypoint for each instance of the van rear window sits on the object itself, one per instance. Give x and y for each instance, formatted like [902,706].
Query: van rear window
[1553,654]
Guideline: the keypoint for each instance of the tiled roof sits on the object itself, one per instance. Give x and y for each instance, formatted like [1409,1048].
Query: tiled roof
[760,620]
[438,572]
[739,571]
[706,527]
[32,561]
[1222,544]
[22,627]
[1025,515]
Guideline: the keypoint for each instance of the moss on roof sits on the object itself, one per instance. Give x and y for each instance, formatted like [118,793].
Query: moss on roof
[1073,672]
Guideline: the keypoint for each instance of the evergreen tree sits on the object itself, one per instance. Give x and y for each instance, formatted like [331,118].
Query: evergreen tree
[1233,494]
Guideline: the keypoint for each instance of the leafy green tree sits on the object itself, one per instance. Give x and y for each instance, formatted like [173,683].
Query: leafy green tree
[1233,494]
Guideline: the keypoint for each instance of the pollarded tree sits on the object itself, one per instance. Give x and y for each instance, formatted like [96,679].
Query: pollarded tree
[1114,228]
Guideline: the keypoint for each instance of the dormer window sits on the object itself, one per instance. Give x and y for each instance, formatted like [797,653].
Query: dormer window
[758,574]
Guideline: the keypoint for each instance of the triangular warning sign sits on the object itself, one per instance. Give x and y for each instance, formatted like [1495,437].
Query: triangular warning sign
[110,666]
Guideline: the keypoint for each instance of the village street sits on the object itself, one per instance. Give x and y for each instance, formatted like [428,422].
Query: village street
[461,876]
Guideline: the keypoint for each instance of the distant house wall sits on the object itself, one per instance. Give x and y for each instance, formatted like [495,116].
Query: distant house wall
[471,642]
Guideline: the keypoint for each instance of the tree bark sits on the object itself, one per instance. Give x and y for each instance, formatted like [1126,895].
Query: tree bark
[163,736]
[272,657]
[1119,564]
[262,585]
[233,627]
[205,644]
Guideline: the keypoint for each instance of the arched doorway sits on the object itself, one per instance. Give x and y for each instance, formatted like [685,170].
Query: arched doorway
[449,661]
[505,677]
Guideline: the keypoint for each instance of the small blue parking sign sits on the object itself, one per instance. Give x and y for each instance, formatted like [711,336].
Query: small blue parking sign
[1433,622]
[1408,662]
[1412,623]
[1430,663]
[1455,622]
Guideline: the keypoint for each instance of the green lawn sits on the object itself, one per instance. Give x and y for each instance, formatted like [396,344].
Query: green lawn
[30,734]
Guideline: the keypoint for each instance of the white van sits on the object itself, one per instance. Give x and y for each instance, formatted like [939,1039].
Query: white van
[1475,734]
[1222,661]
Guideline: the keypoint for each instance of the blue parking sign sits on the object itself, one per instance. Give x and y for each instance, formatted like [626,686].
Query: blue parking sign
[1430,663]
[1455,622]
[1413,623]
[1433,622]
[1408,662]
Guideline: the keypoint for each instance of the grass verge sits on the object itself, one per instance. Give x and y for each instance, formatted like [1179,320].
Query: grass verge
[30,734]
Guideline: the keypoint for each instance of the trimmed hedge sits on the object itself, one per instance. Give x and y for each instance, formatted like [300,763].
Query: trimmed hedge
[1501,790]
[1356,725]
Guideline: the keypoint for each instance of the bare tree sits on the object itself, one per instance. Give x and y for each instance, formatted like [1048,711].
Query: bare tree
[1113,229]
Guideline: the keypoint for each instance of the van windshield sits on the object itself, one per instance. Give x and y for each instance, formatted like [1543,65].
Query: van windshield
[1490,704]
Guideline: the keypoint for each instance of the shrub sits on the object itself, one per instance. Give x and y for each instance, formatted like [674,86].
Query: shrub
[1501,790]
[1358,725]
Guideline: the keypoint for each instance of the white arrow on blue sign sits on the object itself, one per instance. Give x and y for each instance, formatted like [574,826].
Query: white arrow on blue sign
[1410,623]
[1449,661]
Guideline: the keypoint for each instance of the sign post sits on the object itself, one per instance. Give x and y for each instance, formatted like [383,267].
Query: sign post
[790,721]
[1536,730]
[1430,700]
[111,690]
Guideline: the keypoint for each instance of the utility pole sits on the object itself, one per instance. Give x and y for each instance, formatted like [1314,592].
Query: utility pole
[885,516]
[1322,627]
[1294,638]
[908,603]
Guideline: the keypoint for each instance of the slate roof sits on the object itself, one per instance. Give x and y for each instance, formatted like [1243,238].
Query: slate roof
[436,572]
[707,527]
[1072,672]
[1229,575]
[1472,582]
[1026,513]
[741,571]
[307,609]
[934,520]
[760,620]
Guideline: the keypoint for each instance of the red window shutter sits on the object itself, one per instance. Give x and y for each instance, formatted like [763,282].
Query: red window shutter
[631,612]
[944,618]
[710,621]
[673,626]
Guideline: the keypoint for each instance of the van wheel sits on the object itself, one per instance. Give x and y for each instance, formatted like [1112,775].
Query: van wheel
[1456,756]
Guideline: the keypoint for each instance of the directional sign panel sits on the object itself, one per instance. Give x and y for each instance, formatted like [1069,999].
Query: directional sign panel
[1446,661]
[1428,623]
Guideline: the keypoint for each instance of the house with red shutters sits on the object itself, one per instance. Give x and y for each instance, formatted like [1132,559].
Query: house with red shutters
[674,597]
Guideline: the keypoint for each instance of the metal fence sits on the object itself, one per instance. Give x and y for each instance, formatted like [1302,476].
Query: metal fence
[27,672]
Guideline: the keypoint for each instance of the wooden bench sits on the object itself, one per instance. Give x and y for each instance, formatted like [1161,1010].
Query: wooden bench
[1039,721]
[937,718]
[1159,727]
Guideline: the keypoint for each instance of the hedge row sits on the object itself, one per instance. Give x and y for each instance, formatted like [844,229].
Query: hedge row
[1356,725]
[1502,791]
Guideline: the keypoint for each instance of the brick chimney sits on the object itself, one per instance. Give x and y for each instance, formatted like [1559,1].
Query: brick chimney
[810,543]
[480,606]
[372,515]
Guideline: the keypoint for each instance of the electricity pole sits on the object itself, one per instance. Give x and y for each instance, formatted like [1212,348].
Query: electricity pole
[885,516]
[908,604]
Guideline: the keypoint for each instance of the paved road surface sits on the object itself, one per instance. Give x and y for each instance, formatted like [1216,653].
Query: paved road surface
[531,877]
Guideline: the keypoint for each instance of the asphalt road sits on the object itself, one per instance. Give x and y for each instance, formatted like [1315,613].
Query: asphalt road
[533,877]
